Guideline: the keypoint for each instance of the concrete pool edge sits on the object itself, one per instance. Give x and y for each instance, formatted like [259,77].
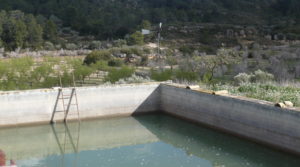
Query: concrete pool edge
[18,108]
[232,133]
[256,120]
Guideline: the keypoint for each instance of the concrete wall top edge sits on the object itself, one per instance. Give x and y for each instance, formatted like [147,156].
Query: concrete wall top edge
[50,90]
[261,103]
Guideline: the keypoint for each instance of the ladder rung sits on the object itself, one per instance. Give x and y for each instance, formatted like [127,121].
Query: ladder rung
[71,104]
[59,111]
[64,98]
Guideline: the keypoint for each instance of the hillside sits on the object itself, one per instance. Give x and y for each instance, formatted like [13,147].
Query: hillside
[116,18]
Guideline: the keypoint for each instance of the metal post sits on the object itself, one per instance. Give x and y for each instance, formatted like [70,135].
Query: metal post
[55,106]
[158,39]
[158,43]
[69,104]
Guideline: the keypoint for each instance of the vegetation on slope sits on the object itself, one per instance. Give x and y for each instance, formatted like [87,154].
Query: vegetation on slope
[114,19]
[19,30]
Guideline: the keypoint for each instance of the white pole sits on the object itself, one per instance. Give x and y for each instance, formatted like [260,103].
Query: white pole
[158,39]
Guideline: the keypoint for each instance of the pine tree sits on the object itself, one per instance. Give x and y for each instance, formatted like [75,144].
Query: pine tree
[14,34]
[136,38]
[50,31]
[35,33]
[2,20]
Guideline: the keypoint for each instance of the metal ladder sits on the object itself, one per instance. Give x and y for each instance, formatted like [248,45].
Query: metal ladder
[66,100]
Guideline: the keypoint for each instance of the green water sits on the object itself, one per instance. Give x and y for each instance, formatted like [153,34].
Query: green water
[150,141]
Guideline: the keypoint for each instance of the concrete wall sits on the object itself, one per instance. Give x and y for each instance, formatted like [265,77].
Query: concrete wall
[255,119]
[33,106]
[260,122]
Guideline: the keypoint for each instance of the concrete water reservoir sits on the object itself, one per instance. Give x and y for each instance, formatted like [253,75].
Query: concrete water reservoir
[250,119]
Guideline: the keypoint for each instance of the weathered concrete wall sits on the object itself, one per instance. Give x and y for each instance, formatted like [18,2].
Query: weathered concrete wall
[260,122]
[252,119]
[33,106]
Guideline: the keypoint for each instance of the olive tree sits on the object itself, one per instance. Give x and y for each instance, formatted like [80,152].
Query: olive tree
[224,57]
[207,65]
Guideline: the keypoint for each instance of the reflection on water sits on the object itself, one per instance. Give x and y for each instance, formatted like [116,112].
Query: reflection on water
[151,141]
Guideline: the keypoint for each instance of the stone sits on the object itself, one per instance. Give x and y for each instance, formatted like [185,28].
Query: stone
[192,87]
[221,92]
[288,104]
[281,105]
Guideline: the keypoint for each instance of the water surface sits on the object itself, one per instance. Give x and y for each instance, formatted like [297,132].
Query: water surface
[150,141]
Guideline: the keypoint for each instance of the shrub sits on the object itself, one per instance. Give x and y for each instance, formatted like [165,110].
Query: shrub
[115,62]
[95,56]
[101,66]
[270,92]
[119,43]
[242,78]
[248,88]
[161,75]
[95,45]
[134,79]
[116,74]
[186,76]
[258,77]
[269,87]
[132,50]
[49,46]
[147,50]
[136,38]
[187,50]
[71,46]
[144,61]
[262,77]
[82,71]
[207,77]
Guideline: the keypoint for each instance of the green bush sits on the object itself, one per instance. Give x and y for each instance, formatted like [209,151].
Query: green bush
[95,56]
[83,71]
[144,61]
[270,92]
[262,77]
[269,87]
[242,78]
[136,38]
[116,74]
[248,88]
[95,45]
[186,76]
[49,46]
[119,43]
[161,75]
[115,62]
[258,77]
[101,66]
[187,50]
[207,77]
[132,50]
[71,46]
